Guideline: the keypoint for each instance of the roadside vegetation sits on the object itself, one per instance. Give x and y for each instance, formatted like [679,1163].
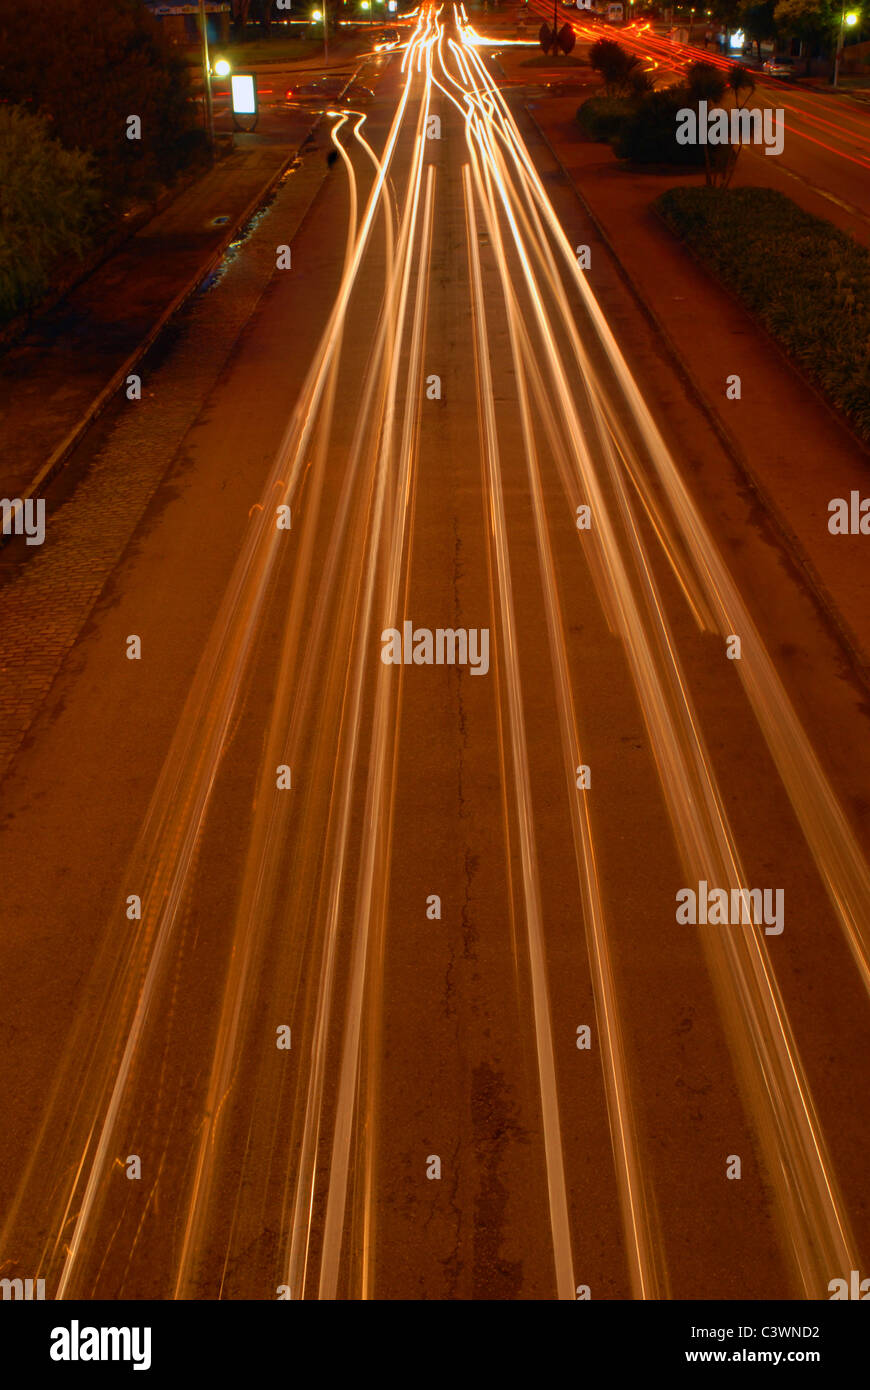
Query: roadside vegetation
[806,281]
[640,122]
[70,170]
[275,50]
[49,205]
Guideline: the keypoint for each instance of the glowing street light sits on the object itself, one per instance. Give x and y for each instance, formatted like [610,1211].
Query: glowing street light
[222,68]
[317,16]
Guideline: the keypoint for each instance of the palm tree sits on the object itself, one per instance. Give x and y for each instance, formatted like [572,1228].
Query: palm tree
[704,82]
[741,83]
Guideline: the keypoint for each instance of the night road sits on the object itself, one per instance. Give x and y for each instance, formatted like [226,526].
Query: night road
[434,812]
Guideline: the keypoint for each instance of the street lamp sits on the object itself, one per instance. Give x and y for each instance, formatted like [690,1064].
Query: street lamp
[317,16]
[206,73]
[851,19]
[222,68]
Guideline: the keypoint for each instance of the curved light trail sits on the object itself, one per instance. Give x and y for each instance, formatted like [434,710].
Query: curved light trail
[336,719]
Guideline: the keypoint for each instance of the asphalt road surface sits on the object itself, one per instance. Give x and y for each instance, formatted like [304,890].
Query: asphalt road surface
[330,976]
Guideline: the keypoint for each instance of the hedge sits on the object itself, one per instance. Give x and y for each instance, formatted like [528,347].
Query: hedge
[49,208]
[601,118]
[808,282]
[649,136]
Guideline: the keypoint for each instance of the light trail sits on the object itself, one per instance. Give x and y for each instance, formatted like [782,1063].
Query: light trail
[558,1197]
[789,1129]
[335,718]
[644,1249]
[374,849]
[165,856]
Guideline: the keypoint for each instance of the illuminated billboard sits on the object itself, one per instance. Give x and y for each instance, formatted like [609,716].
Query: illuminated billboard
[244,89]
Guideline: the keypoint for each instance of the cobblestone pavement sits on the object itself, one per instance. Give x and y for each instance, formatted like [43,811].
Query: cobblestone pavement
[47,592]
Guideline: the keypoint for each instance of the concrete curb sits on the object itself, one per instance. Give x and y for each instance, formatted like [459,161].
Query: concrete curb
[61,453]
[15,329]
[858,660]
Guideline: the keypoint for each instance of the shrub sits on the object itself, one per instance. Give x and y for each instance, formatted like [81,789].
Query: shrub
[106,62]
[602,118]
[649,136]
[49,203]
[804,279]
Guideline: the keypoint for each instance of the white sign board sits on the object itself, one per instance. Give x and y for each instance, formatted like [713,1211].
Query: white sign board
[244,94]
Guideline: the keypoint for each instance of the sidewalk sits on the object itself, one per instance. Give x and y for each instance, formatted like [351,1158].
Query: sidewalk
[794,451]
[59,377]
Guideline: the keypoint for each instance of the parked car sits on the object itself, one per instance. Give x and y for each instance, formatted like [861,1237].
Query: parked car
[779,67]
[330,89]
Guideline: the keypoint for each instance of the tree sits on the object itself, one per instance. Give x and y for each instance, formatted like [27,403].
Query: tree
[811,21]
[704,82]
[707,83]
[727,12]
[758,22]
[49,203]
[741,84]
[614,63]
[101,64]
[239,14]
[555,39]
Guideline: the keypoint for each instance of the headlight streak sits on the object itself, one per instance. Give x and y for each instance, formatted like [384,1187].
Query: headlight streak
[600,459]
[369,920]
[270,832]
[837,854]
[560,1224]
[648,1276]
[644,1248]
[165,851]
[814,1223]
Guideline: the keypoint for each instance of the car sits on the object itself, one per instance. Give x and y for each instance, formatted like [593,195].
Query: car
[330,89]
[388,39]
[779,67]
